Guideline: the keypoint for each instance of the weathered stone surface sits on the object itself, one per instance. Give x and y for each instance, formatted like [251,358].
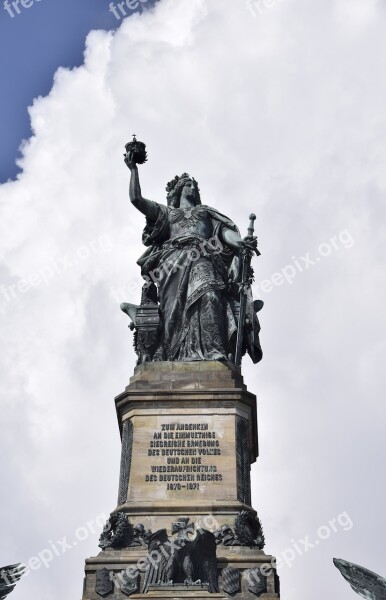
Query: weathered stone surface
[197,375]
[244,560]
[205,384]
[201,402]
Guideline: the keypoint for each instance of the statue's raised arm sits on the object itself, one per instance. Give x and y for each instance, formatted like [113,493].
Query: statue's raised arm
[133,155]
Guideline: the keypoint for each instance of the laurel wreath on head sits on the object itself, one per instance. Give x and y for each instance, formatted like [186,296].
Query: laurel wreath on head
[174,188]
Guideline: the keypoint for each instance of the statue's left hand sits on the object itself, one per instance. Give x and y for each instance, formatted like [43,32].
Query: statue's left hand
[249,243]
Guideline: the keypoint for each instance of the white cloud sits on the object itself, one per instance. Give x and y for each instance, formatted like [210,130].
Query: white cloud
[355,16]
[282,114]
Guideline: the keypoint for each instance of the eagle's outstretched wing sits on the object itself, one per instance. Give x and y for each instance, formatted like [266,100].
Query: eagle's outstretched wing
[157,559]
[203,552]
[367,584]
[9,576]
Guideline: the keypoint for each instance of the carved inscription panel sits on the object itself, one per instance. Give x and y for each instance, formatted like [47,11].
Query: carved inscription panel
[191,456]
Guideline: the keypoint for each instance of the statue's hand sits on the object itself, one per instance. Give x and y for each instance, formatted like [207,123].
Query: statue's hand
[129,161]
[249,243]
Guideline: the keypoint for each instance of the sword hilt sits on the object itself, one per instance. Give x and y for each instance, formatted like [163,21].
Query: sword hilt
[251,228]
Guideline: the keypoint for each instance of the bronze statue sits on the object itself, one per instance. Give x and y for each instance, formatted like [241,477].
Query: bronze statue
[195,282]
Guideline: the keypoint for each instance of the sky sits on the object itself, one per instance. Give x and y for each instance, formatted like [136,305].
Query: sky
[34,42]
[275,107]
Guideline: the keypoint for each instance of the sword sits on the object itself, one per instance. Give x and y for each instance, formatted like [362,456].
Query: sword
[245,284]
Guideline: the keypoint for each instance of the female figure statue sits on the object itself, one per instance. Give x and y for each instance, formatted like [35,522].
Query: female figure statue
[194,256]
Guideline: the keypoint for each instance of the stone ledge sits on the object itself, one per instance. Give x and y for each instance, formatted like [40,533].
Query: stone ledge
[192,508]
[194,595]
[115,559]
[205,395]
[153,375]
[180,592]
[194,365]
[184,384]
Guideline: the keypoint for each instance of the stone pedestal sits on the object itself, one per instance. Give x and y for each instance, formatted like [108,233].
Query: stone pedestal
[189,436]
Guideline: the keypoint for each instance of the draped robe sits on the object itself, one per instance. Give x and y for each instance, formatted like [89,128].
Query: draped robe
[193,267]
